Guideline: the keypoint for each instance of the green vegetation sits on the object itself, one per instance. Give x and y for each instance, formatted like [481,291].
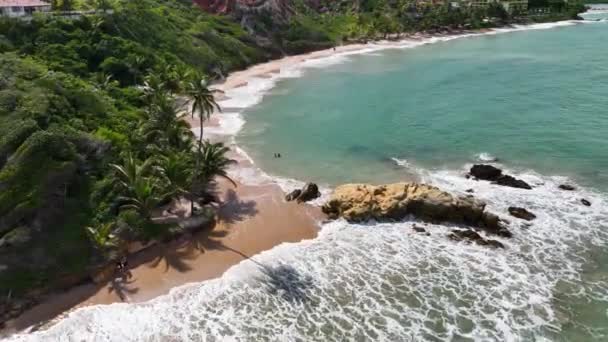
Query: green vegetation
[371,19]
[92,138]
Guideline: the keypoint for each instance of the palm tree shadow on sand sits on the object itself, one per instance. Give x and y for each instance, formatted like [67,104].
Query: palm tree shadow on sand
[120,286]
[234,210]
[287,282]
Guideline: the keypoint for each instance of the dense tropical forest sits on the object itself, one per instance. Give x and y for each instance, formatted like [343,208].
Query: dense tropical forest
[92,132]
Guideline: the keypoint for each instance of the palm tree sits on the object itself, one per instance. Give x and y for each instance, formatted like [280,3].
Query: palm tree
[103,236]
[163,126]
[132,170]
[143,197]
[176,167]
[214,162]
[141,187]
[153,89]
[203,103]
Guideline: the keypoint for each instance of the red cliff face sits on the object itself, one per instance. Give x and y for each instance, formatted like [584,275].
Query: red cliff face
[216,6]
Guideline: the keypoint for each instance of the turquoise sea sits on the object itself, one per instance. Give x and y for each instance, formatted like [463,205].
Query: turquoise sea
[536,99]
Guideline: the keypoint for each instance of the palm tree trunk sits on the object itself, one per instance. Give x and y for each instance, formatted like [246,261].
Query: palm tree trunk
[198,160]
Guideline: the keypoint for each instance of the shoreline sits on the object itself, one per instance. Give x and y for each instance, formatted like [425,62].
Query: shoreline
[157,270]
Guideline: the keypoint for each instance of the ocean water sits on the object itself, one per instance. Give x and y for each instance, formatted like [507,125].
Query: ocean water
[535,99]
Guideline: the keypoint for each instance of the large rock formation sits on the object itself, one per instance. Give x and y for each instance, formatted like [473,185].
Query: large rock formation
[362,202]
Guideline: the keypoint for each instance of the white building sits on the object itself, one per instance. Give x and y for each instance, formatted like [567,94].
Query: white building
[20,8]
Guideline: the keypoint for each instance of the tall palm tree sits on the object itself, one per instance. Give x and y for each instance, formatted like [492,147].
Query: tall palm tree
[203,103]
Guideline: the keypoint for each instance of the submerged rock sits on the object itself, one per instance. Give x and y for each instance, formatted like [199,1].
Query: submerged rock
[585,202]
[494,174]
[363,202]
[474,237]
[521,213]
[567,187]
[309,192]
[418,229]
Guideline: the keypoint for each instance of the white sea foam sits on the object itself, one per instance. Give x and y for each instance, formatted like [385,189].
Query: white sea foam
[401,162]
[385,282]
[486,157]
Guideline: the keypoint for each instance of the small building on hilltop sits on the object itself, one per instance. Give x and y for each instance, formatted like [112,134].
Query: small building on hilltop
[20,8]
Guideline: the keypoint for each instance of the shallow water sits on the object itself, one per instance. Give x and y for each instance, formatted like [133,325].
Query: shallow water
[534,99]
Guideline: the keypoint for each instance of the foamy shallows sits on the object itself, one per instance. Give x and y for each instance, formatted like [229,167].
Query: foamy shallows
[385,282]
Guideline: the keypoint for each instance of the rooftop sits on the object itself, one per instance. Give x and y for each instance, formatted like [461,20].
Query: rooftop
[24,3]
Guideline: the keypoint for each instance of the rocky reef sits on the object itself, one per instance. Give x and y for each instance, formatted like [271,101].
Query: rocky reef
[392,202]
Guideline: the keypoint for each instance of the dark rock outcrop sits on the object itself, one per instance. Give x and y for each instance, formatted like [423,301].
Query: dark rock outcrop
[585,202]
[494,174]
[418,229]
[362,202]
[567,187]
[292,196]
[472,236]
[521,213]
[485,172]
[506,180]
[309,192]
